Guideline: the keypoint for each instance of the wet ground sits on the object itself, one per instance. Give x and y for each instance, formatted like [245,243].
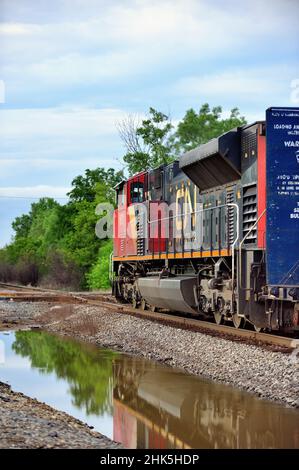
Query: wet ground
[141,403]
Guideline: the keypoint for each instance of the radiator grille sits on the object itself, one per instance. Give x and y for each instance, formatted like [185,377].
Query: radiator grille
[140,233]
[249,213]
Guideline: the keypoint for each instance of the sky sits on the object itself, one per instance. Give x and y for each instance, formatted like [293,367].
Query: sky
[71,69]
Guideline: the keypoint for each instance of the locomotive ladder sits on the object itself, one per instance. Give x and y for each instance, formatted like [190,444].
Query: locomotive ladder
[230,218]
[140,234]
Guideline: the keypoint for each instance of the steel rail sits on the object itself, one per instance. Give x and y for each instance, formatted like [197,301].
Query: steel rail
[228,331]
[178,321]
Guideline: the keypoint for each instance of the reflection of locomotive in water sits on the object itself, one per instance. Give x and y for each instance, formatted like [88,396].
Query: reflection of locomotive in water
[214,233]
[167,409]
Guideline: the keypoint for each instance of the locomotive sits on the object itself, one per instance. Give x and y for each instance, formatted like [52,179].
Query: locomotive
[215,233]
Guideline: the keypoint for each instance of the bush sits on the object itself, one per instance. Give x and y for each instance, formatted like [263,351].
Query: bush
[7,272]
[98,277]
[25,272]
[61,272]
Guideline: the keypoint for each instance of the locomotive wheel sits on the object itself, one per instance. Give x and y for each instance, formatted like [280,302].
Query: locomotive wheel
[143,304]
[218,318]
[238,322]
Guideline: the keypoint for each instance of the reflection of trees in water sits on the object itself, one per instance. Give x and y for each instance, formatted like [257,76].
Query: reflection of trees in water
[88,370]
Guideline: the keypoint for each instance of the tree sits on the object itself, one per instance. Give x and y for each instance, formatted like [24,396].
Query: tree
[154,142]
[57,242]
[21,225]
[198,128]
[147,144]
[98,277]
[81,241]
[85,187]
[137,162]
[87,371]
[127,129]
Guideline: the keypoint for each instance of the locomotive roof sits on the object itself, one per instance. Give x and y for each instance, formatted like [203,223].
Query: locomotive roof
[212,146]
[252,124]
[216,162]
[209,148]
[118,185]
[122,182]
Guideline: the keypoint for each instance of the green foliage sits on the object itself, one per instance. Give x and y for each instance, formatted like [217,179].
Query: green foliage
[137,162]
[160,144]
[98,278]
[198,128]
[23,247]
[86,369]
[81,240]
[21,225]
[154,132]
[85,187]
[59,241]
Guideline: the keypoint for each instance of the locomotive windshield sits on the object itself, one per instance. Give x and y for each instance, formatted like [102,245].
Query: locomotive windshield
[137,191]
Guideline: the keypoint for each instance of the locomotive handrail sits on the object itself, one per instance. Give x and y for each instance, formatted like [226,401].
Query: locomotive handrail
[240,249]
[193,212]
[233,204]
[111,267]
[233,245]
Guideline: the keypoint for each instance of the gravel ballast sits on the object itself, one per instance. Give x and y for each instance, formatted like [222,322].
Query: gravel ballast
[26,423]
[267,374]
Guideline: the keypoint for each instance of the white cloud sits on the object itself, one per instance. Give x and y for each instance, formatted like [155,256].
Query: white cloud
[126,38]
[48,170]
[295,91]
[45,173]
[40,143]
[2,92]
[44,164]
[18,29]
[251,84]
[60,122]
[79,69]
[34,191]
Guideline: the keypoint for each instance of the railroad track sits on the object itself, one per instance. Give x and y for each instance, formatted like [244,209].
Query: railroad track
[105,301]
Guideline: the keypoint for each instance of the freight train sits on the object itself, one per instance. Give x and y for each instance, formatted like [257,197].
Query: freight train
[215,234]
